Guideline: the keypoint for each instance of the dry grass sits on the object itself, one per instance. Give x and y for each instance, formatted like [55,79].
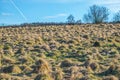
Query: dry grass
[69,52]
[12,69]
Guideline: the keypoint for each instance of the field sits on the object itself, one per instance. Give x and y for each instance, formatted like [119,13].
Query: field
[65,52]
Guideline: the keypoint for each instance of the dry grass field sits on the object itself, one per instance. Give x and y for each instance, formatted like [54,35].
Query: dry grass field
[71,52]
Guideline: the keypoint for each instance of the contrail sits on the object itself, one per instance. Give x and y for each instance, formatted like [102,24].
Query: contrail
[21,13]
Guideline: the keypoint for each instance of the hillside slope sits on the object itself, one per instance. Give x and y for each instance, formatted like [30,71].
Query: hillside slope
[71,52]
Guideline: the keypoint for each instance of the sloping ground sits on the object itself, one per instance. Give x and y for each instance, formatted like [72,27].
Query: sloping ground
[76,52]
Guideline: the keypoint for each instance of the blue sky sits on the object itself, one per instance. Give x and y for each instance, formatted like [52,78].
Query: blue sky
[21,11]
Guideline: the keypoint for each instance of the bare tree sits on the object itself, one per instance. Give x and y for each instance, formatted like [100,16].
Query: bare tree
[96,14]
[116,17]
[70,19]
[78,21]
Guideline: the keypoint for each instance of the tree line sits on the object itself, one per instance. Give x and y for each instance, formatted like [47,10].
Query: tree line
[96,14]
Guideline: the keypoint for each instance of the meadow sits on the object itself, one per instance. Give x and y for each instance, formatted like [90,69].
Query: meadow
[62,52]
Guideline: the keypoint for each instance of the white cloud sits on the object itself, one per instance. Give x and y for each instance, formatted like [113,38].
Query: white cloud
[6,14]
[56,16]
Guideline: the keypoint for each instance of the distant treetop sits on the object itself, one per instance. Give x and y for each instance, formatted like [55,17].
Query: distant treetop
[96,14]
